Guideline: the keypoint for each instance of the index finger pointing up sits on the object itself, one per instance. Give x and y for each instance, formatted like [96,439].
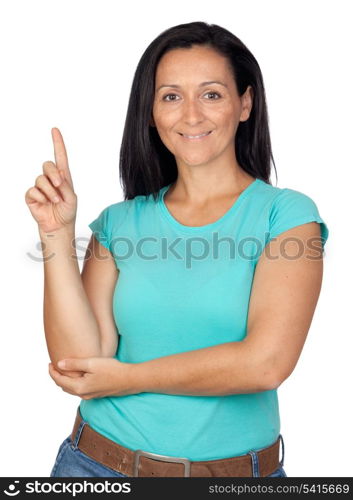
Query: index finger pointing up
[60,154]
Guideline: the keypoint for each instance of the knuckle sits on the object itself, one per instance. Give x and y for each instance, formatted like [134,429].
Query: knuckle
[48,164]
[40,179]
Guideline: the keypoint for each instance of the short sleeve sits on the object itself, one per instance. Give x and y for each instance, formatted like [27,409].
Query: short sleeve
[292,208]
[101,229]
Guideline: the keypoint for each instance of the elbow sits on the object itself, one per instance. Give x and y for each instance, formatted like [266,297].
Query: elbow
[269,377]
[108,347]
[272,384]
[107,352]
[272,379]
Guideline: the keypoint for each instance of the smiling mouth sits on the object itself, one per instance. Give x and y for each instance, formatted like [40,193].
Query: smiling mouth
[199,136]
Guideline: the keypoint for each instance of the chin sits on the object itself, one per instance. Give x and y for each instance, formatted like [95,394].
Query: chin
[195,161]
[198,163]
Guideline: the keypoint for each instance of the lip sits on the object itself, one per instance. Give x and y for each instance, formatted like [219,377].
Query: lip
[196,137]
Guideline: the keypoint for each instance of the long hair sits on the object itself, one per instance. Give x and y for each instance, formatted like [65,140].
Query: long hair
[146,165]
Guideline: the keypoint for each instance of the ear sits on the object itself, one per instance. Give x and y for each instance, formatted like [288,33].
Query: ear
[152,124]
[247,100]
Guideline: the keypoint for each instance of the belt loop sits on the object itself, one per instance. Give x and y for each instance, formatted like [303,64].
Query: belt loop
[282,459]
[254,463]
[78,433]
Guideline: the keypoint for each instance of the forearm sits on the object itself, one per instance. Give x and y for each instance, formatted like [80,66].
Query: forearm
[71,329]
[224,369]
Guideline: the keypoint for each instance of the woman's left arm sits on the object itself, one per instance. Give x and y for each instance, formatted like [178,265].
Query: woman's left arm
[285,291]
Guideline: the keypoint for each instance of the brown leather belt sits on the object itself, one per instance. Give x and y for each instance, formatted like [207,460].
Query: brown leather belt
[139,463]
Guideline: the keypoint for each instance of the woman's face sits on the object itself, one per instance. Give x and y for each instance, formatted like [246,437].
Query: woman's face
[196,107]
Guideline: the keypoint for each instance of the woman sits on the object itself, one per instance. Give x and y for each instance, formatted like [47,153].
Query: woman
[197,290]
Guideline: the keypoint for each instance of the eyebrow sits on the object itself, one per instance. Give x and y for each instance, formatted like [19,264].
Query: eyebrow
[203,84]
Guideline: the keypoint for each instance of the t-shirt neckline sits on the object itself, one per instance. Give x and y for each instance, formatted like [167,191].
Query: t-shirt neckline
[212,225]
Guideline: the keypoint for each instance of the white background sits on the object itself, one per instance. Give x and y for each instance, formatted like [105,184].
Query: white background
[70,64]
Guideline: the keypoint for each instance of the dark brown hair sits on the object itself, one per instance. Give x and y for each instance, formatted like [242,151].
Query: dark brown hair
[146,165]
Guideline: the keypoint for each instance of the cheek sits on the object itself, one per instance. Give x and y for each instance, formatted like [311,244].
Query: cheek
[165,116]
[160,123]
[226,116]
[163,130]
[164,125]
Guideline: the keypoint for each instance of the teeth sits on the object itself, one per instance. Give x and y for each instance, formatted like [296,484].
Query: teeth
[195,136]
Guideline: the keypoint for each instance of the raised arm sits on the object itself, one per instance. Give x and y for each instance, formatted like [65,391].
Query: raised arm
[70,326]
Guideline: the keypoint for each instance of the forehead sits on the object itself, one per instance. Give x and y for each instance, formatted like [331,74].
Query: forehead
[197,61]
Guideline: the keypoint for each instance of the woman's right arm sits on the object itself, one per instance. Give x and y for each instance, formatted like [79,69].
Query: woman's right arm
[71,328]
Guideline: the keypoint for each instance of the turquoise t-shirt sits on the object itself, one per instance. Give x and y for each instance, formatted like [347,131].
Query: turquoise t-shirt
[182,288]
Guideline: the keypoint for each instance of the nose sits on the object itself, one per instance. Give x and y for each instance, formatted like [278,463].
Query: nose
[192,112]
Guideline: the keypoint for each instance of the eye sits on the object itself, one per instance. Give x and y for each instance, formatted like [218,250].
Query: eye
[215,95]
[170,97]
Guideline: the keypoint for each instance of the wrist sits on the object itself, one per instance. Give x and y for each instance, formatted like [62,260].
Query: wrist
[133,377]
[60,243]
[68,229]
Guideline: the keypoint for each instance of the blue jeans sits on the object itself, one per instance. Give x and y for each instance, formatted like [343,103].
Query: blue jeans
[72,462]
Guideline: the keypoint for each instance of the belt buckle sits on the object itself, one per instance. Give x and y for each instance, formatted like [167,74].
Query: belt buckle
[161,458]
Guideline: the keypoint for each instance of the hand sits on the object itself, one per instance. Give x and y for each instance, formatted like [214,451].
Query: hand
[53,215]
[100,377]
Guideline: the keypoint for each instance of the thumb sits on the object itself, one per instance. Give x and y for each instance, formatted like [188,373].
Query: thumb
[65,188]
[75,364]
